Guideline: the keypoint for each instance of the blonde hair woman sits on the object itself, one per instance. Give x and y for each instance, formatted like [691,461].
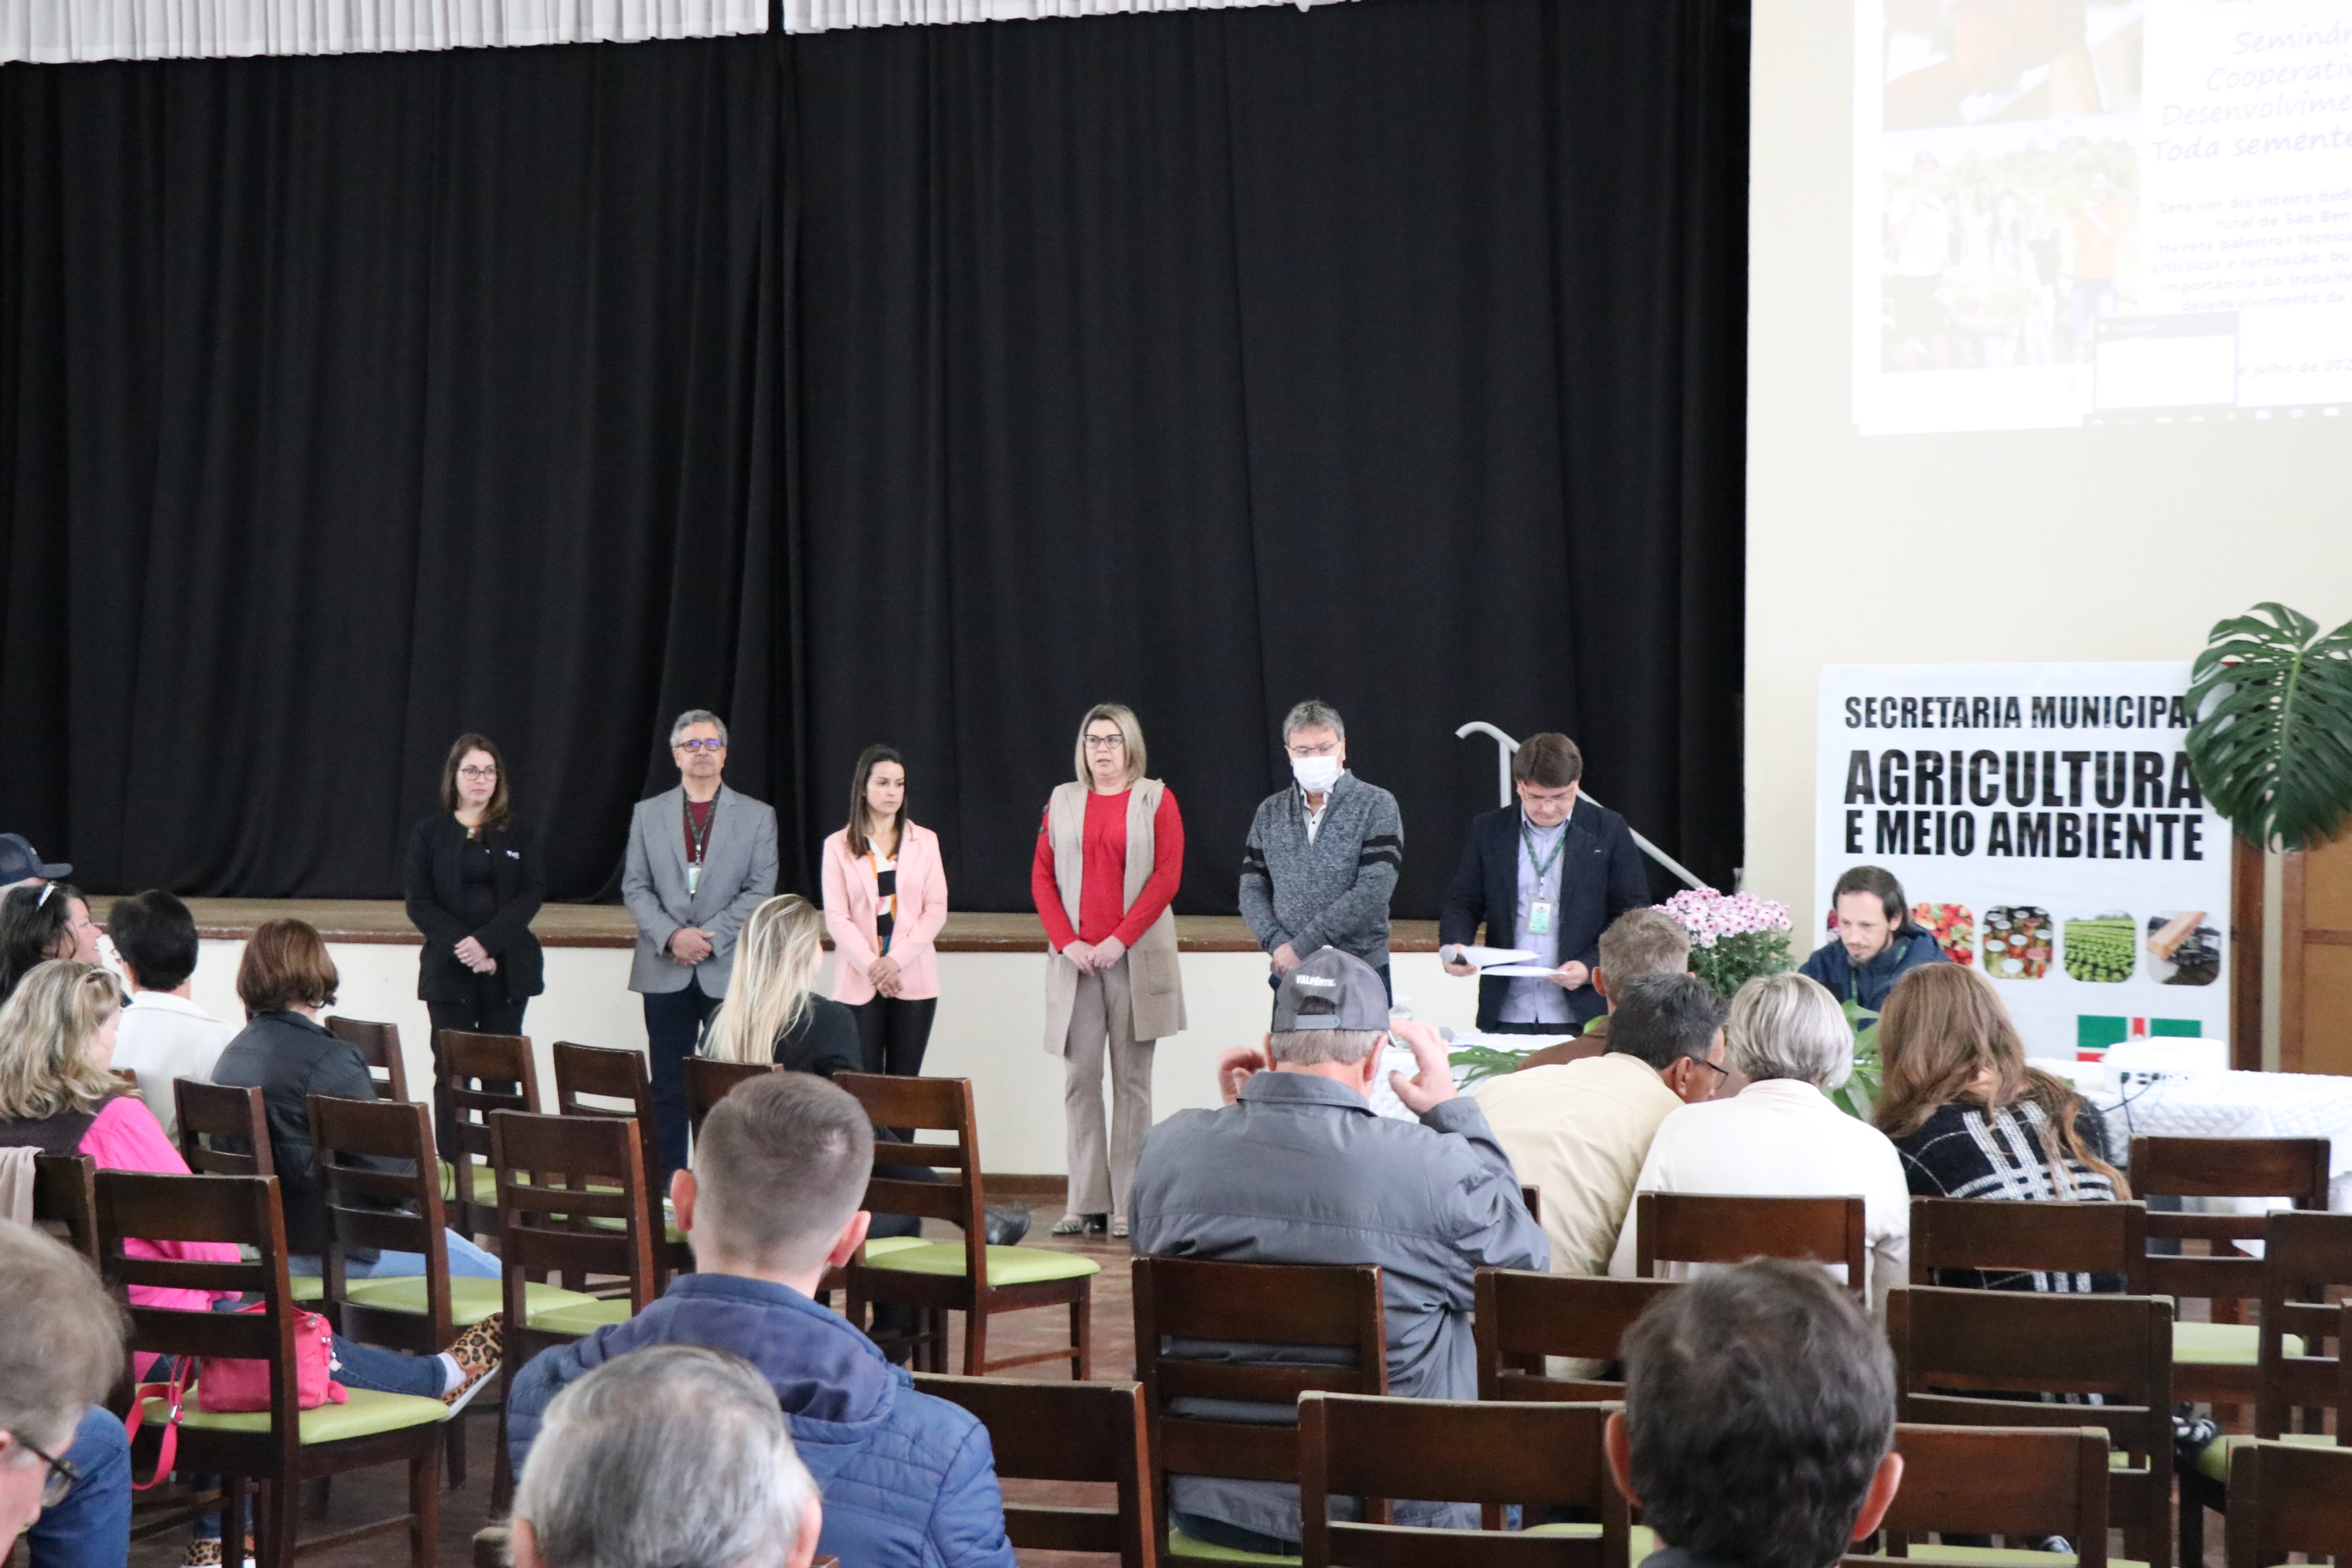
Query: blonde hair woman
[772,1013]
[1110,853]
[1971,1119]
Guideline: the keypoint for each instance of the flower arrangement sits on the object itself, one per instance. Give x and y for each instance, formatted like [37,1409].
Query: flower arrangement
[1734,937]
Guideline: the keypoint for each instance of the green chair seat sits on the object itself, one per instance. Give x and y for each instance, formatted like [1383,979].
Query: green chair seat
[1991,1557]
[613,1221]
[2213,1461]
[1006,1265]
[485,1184]
[1182,1545]
[307,1287]
[2223,1344]
[583,1317]
[470,1301]
[883,1246]
[368,1413]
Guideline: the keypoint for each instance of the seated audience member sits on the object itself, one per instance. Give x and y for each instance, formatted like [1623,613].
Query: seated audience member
[1781,1136]
[286,980]
[1578,1132]
[1758,1427]
[65,1466]
[1971,1119]
[1297,1168]
[772,1013]
[21,865]
[164,1033]
[770,1204]
[41,921]
[1877,944]
[674,1458]
[1647,941]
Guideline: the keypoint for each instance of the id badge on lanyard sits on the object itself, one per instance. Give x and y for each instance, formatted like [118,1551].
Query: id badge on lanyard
[1539,917]
[693,880]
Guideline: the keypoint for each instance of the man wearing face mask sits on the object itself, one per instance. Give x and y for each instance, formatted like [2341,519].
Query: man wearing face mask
[1548,874]
[1322,856]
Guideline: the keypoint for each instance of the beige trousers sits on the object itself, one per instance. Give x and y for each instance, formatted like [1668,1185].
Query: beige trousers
[1103,1014]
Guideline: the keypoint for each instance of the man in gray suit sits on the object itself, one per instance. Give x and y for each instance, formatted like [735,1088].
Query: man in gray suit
[701,858]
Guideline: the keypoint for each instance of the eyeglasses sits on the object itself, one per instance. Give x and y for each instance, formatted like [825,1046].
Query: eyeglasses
[1324,749]
[477,772]
[702,745]
[62,1476]
[1721,1070]
[1106,743]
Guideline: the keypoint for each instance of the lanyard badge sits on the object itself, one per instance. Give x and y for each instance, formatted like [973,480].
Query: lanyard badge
[1540,909]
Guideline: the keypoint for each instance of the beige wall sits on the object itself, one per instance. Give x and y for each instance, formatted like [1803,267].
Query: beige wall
[2116,542]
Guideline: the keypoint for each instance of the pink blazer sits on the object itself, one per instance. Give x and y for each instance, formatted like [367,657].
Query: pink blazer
[849,901]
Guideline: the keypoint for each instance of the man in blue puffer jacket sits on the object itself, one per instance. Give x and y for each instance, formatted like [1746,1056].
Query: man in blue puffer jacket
[771,1202]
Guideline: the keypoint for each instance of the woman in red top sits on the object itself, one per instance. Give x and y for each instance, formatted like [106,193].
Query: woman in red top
[1109,854]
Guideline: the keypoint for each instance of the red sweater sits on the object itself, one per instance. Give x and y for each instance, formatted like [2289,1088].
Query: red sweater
[1102,886]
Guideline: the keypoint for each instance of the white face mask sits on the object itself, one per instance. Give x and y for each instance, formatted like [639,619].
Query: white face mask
[1315,775]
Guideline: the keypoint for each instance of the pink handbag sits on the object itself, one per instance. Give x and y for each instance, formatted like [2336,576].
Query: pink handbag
[229,1385]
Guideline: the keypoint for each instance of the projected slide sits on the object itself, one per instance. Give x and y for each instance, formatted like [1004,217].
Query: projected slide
[2081,212]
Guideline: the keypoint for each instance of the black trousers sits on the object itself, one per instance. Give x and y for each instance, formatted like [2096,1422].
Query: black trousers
[487,1012]
[674,1021]
[893,1033]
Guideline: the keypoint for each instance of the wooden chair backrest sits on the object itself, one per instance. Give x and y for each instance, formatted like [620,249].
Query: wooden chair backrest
[603,1073]
[2303,1254]
[241,1211]
[65,1202]
[1449,1450]
[224,1131]
[367,1205]
[1065,1431]
[1708,1227]
[2016,1482]
[556,1173]
[2286,1496]
[2294,1169]
[927,1105]
[378,1047]
[1982,1358]
[2033,1237]
[708,1081]
[1523,1317]
[1333,1311]
[487,1074]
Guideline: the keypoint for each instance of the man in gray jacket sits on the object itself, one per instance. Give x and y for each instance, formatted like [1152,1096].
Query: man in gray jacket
[1297,1168]
[1322,856]
[701,858]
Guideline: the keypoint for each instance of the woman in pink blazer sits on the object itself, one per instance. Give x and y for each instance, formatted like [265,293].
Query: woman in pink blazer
[885,898]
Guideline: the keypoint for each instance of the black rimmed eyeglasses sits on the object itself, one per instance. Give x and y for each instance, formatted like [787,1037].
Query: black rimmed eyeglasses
[62,1475]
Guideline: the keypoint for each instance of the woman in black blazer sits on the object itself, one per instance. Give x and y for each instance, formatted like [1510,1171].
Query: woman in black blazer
[473,882]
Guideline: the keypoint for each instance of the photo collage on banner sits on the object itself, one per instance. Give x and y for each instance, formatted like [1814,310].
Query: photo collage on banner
[2045,825]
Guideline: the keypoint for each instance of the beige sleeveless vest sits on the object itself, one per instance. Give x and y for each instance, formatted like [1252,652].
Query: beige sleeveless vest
[1154,983]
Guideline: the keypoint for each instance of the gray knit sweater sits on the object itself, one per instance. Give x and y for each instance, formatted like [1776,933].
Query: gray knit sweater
[1334,891]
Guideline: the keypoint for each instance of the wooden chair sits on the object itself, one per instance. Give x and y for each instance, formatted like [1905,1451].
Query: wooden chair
[1448,1450]
[967,1275]
[223,1131]
[556,1176]
[378,1047]
[1984,1357]
[65,1202]
[2306,1258]
[1331,1314]
[588,1073]
[487,1074]
[708,1081]
[2290,1499]
[1977,1234]
[286,1445]
[2218,1362]
[1705,1227]
[2018,1481]
[1523,1317]
[1065,1431]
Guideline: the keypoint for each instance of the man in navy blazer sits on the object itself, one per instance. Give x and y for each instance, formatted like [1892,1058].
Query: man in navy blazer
[1549,874]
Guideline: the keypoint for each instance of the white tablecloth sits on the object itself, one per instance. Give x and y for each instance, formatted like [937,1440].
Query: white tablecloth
[2240,1105]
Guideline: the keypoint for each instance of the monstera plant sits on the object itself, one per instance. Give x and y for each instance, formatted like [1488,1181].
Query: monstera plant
[2271,739]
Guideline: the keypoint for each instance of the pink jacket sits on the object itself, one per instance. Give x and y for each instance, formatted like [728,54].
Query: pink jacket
[127,1137]
[922,909]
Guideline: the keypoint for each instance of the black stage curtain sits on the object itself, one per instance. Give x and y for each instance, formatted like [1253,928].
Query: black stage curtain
[922,385]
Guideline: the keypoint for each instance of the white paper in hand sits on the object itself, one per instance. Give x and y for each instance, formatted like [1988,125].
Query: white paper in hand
[1485,957]
[1517,971]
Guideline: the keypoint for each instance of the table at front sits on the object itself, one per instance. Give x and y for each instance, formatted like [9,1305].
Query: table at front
[2240,1105]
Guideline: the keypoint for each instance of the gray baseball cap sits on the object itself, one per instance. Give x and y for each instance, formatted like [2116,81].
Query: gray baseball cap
[1330,990]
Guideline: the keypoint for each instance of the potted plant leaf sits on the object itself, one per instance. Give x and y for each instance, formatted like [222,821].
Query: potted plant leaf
[2271,736]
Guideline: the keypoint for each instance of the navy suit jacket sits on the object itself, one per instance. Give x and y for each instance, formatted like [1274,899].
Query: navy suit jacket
[1601,876]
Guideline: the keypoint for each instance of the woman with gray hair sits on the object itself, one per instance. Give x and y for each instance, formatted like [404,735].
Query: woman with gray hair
[1782,1136]
[65,1466]
[673,1456]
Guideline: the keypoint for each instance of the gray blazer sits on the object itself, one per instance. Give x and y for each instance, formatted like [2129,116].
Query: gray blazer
[739,874]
